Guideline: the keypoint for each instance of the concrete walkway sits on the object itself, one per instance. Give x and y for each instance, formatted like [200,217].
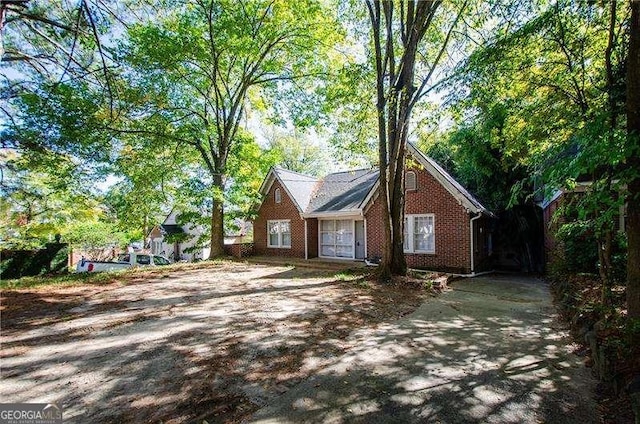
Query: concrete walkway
[488,351]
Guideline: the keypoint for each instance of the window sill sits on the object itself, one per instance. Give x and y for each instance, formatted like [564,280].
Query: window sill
[278,247]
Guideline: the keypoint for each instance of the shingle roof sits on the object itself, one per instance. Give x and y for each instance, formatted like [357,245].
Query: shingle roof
[169,229]
[343,191]
[299,186]
[346,191]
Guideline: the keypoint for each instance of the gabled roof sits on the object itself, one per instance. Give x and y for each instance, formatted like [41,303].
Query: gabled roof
[447,181]
[349,192]
[342,191]
[299,187]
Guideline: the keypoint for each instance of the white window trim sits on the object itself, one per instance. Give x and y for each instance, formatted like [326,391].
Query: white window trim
[277,195]
[353,242]
[279,245]
[409,224]
[415,181]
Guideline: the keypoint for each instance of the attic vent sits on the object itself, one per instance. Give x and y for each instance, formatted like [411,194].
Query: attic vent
[410,182]
[278,196]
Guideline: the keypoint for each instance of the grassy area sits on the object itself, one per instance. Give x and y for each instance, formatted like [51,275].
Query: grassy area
[84,278]
[70,279]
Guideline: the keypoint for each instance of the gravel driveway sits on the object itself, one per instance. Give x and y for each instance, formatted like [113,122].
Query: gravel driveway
[488,351]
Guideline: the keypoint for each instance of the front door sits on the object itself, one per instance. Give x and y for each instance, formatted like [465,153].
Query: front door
[360,240]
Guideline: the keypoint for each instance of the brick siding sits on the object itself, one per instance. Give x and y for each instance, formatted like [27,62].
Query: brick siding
[239,250]
[270,210]
[312,233]
[452,238]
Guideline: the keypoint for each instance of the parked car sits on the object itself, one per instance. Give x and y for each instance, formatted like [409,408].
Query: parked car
[124,260]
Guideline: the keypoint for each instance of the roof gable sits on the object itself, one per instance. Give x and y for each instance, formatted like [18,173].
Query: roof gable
[448,182]
[350,191]
[299,187]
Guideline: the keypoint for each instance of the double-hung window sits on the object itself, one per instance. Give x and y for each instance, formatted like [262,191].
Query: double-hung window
[279,233]
[419,234]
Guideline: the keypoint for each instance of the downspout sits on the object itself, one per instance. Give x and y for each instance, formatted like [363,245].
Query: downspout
[306,247]
[472,234]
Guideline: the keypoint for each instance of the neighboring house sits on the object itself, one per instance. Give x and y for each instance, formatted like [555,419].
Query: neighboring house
[552,223]
[340,217]
[176,241]
[242,234]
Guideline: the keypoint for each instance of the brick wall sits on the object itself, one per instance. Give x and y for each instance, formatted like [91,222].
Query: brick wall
[239,250]
[452,238]
[270,210]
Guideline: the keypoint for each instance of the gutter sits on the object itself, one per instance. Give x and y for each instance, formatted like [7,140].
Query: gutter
[343,213]
[306,247]
[471,238]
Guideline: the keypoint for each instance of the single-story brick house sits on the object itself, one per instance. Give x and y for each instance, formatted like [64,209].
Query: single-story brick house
[339,217]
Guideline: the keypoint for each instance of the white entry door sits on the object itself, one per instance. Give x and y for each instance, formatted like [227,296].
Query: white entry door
[360,253]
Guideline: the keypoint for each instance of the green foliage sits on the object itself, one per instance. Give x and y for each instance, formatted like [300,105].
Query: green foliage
[537,101]
[191,73]
[40,194]
[18,263]
[93,236]
[580,251]
[299,154]
[247,166]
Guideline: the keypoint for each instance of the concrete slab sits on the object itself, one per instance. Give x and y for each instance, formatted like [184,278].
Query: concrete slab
[488,351]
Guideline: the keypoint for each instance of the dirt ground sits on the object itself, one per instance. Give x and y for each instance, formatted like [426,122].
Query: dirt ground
[212,344]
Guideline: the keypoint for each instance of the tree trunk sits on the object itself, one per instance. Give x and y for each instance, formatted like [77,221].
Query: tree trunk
[384,270]
[217,220]
[633,134]
[398,263]
[605,268]
[396,95]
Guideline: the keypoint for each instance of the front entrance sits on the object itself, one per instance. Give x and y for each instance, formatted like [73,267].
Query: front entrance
[360,253]
[341,238]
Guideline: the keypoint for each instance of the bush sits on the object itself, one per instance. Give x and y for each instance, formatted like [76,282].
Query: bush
[577,252]
[577,247]
[20,263]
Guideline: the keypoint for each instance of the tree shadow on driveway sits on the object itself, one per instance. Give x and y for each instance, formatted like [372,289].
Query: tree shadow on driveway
[216,344]
[490,351]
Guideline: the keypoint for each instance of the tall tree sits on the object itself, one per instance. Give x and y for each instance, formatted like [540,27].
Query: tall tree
[398,31]
[296,152]
[633,163]
[197,67]
[547,97]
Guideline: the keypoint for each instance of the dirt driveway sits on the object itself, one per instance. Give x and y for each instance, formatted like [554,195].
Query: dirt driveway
[213,344]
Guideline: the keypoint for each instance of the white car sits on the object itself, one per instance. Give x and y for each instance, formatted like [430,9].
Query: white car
[125,260]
